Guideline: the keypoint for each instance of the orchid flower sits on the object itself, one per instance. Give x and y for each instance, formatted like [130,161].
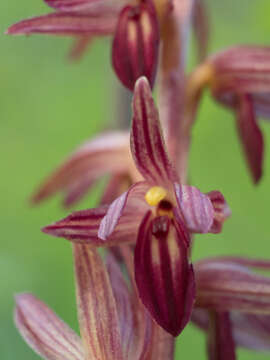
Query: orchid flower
[239,78]
[158,214]
[232,305]
[136,27]
[113,323]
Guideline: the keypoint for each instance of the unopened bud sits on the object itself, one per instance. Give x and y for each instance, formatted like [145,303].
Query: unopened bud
[136,43]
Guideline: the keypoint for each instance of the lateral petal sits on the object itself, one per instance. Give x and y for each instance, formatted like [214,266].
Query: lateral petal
[131,202]
[163,274]
[64,23]
[195,208]
[147,142]
[97,312]
[107,153]
[225,286]
[44,331]
[221,344]
[250,136]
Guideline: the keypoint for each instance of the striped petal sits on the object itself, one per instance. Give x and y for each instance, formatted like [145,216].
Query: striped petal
[63,23]
[107,153]
[83,226]
[44,331]
[131,203]
[136,44]
[87,6]
[195,207]
[221,344]
[242,69]
[250,136]
[163,274]
[97,312]
[249,331]
[147,143]
[228,286]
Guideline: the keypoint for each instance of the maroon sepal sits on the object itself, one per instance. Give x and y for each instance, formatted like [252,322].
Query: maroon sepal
[250,136]
[163,274]
[221,344]
[136,43]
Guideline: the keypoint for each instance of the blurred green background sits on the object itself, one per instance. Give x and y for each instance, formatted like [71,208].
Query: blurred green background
[48,106]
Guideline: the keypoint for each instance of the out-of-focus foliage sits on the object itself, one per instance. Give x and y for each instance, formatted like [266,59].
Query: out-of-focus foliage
[49,106]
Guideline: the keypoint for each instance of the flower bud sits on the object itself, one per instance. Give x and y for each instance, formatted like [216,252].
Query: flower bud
[136,43]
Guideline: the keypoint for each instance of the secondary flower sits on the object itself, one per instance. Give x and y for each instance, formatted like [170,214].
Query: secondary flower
[159,214]
[113,323]
[134,26]
[107,154]
[239,78]
[232,305]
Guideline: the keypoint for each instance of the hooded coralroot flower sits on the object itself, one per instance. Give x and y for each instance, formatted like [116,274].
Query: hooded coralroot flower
[159,214]
[134,25]
[113,323]
[240,79]
[232,305]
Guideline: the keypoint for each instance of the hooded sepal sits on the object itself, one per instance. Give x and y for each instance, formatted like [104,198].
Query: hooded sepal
[136,44]
[44,331]
[163,274]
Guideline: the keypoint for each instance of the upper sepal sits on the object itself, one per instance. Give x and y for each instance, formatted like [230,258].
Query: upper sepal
[136,44]
[146,139]
[163,274]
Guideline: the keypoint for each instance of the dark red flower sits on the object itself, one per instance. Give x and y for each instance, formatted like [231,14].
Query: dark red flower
[159,214]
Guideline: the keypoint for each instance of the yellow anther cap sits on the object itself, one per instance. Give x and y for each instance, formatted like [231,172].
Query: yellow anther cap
[155,195]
